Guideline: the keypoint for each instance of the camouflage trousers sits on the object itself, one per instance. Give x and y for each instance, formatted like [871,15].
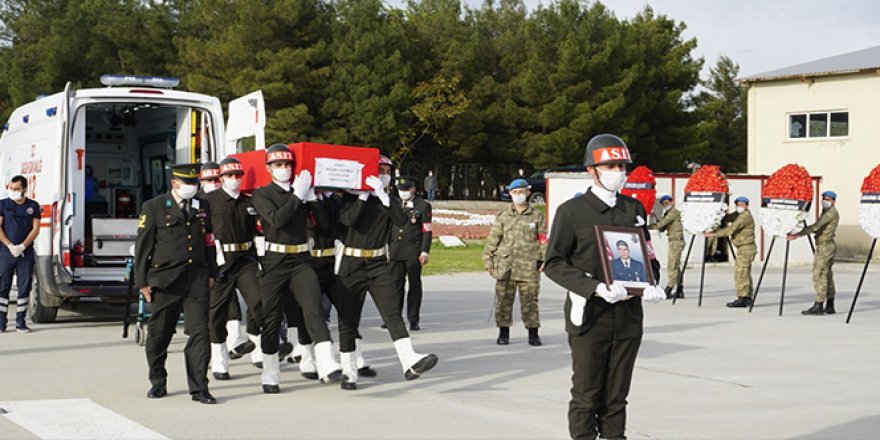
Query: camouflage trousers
[505,293]
[673,264]
[742,273]
[823,277]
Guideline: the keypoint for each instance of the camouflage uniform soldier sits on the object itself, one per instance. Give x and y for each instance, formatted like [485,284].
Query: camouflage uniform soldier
[671,224]
[514,254]
[742,235]
[823,277]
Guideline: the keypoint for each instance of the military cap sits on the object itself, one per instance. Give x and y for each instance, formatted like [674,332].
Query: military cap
[517,184]
[186,172]
[278,153]
[741,199]
[231,165]
[665,197]
[209,170]
[404,182]
[830,194]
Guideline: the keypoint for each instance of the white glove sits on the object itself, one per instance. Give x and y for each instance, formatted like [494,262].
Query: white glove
[302,183]
[310,195]
[13,249]
[21,249]
[378,190]
[653,295]
[611,294]
[577,308]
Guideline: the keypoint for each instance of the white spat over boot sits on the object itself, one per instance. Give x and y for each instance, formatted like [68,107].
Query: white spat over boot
[307,365]
[220,361]
[328,369]
[363,368]
[413,364]
[349,371]
[271,375]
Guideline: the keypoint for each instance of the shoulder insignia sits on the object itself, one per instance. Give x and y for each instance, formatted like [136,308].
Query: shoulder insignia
[168,203]
[142,221]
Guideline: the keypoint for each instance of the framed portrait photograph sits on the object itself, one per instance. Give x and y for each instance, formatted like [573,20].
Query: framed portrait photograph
[624,257]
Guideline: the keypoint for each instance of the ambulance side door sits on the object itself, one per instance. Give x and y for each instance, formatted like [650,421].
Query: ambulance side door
[247,119]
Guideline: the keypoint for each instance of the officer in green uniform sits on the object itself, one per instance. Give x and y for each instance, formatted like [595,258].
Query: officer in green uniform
[742,234]
[367,218]
[235,226]
[287,267]
[604,325]
[513,255]
[671,225]
[823,277]
[175,267]
[409,249]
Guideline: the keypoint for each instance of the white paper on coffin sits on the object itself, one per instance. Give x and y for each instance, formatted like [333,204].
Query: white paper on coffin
[781,222]
[869,219]
[699,217]
[338,173]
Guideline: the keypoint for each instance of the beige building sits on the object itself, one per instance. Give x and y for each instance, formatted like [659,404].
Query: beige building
[824,115]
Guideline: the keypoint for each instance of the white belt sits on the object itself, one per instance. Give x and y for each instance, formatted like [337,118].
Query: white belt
[363,253]
[237,247]
[287,248]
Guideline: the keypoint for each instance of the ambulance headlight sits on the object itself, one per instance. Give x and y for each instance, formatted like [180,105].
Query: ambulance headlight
[140,81]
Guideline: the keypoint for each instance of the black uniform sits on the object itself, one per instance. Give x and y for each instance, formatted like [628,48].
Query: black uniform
[175,256]
[407,243]
[367,226]
[288,270]
[605,343]
[235,226]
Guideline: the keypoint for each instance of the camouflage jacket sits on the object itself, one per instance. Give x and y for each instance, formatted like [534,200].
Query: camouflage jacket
[741,231]
[671,224]
[516,244]
[825,227]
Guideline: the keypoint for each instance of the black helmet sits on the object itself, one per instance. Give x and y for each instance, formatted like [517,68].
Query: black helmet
[209,170]
[231,165]
[278,153]
[606,149]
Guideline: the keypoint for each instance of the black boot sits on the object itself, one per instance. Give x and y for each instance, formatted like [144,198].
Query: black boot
[815,310]
[534,339]
[668,292]
[740,302]
[503,336]
[679,293]
[829,306]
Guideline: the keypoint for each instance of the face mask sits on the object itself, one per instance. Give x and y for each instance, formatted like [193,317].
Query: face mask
[209,187]
[15,195]
[740,209]
[281,175]
[612,180]
[518,199]
[386,180]
[232,185]
[826,204]
[405,195]
[186,191]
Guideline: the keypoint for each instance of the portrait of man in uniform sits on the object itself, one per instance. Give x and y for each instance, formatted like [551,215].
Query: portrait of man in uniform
[625,256]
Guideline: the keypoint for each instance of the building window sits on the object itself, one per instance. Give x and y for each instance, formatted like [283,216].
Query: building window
[817,125]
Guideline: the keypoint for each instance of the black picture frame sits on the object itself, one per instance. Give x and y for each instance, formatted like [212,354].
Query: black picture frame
[636,274]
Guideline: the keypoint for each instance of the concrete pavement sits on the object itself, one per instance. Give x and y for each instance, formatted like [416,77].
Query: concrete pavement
[703,372]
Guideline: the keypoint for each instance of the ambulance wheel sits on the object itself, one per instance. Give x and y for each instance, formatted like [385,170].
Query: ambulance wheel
[537,199]
[39,313]
[140,334]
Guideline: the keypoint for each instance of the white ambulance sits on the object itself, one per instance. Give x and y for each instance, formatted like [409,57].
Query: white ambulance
[93,156]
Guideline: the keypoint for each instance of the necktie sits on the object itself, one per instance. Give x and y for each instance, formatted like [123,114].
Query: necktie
[184,206]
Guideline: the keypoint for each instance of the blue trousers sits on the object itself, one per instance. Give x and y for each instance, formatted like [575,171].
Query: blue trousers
[23,268]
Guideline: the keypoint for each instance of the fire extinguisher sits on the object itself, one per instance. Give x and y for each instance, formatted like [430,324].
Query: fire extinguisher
[77,259]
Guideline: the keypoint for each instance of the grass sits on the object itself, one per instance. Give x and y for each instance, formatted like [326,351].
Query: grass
[456,259]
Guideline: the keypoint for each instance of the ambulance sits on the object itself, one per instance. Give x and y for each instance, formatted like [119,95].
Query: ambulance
[91,157]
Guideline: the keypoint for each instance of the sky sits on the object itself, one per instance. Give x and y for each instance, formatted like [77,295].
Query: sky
[759,35]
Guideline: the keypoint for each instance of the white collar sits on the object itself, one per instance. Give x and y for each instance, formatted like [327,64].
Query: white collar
[234,196]
[175,197]
[284,186]
[607,197]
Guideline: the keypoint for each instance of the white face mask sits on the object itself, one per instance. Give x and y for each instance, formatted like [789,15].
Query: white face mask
[232,185]
[518,199]
[386,180]
[281,175]
[740,209]
[15,195]
[612,180]
[826,204]
[405,195]
[210,187]
[186,191]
